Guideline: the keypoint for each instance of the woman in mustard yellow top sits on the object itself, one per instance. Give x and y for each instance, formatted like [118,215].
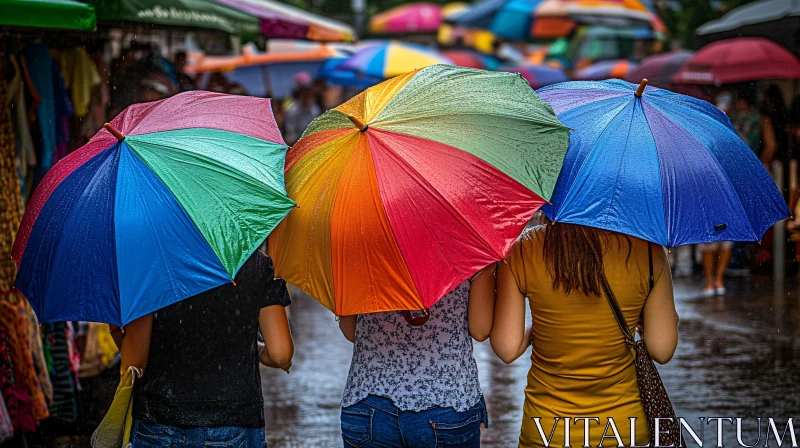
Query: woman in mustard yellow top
[580,365]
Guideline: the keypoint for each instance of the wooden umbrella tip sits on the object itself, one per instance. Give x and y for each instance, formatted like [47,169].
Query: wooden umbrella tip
[640,90]
[114,132]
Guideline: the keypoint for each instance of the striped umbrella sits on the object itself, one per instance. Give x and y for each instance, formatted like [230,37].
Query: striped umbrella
[414,185]
[411,18]
[168,201]
[390,59]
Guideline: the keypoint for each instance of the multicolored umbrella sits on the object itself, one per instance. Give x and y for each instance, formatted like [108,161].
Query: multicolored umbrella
[62,14]
[168,201]
[659,69]
[411,18]
[330,72]
[657,165]
[283,21]
[738,60]
[414,185]
[520,20]
[537,75]
[606,70]
[390,59]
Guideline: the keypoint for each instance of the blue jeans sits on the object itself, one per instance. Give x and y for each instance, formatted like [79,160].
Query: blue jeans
[151,435]
[377,422]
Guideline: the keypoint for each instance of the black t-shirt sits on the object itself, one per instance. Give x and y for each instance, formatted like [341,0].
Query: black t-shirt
[202,369]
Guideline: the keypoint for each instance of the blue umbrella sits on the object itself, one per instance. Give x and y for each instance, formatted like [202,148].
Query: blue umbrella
[331,73]
[660,166]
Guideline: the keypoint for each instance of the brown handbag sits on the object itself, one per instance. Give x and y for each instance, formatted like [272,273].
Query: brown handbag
[655,400]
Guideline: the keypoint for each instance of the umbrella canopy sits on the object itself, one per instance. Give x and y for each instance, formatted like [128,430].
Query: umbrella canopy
[606,70]
[279,20]
[658,69]
[537,75]
[660,166]
[390,59]
[63,14]
[204,14]
[411,18]
[167,202]
[738,60]
[773,19]
[524,19]
[329,71]
[472,59]
[414,185]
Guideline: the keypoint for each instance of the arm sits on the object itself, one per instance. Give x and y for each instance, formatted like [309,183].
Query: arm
[481,304]
[768,140]
[278,345]
[347,324]
[660,320]
[509,336]
[134,345]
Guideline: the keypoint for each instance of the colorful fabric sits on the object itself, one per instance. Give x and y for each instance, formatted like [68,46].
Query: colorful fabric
[109,228]
[63,110]
[65,406]
[443,170]
[17,400]
[25,151]
[6,427]
[37,351]
[418,368]
[13,318]
[81,77]
[10,200]
[40,67]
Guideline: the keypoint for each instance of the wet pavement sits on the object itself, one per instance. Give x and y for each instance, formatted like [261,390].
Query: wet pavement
[738,356]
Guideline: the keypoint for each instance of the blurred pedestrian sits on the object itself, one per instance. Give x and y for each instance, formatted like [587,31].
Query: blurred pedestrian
[185,82]
[299,114]
[754,128]
[580,364]
[413,379]
[201,384]
[774,108]
[716,257]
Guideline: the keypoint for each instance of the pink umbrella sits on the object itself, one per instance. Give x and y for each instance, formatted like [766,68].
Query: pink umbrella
[411,18]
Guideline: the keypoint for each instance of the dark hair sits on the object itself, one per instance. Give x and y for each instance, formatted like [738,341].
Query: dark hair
[573,256]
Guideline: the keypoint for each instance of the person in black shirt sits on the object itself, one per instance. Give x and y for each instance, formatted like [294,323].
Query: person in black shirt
[201,383]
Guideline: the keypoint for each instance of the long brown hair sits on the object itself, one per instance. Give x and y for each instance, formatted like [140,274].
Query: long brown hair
[573,256]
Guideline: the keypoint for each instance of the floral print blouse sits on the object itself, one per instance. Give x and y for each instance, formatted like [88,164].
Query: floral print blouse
[416,367]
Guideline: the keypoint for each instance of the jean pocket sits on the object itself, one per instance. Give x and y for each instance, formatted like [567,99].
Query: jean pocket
[226,437]
[151,435]
[357,426]
[465,432]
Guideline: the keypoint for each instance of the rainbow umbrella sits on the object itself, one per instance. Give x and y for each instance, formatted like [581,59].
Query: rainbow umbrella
[657,165]
[537,75]
[411,18]
[389,59]
[414,185]
[606,69]
[168,201]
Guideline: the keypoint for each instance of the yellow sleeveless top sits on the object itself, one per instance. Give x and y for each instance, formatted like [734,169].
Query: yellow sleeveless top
[580,366]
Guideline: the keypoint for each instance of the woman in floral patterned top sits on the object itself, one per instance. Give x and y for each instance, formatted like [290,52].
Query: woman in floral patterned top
[417,385]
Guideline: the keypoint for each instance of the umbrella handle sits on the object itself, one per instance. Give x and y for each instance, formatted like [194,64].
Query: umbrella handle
[361,126]
[640,89]
[114,132]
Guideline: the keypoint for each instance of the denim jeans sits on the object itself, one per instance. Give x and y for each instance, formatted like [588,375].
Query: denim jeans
[151,435]
[377,422]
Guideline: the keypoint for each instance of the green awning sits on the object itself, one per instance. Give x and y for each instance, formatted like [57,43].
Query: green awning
[203,14]
[64,14]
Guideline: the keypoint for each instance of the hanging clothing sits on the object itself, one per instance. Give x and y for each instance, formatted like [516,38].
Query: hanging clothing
[35,341]
[81,77]
[17,400]
[63,110]
[65,407]
[40,68]
[25,153]
[15,322]
[6,427]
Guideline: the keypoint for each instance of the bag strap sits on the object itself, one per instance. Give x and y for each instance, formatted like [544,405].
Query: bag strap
[612,301]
